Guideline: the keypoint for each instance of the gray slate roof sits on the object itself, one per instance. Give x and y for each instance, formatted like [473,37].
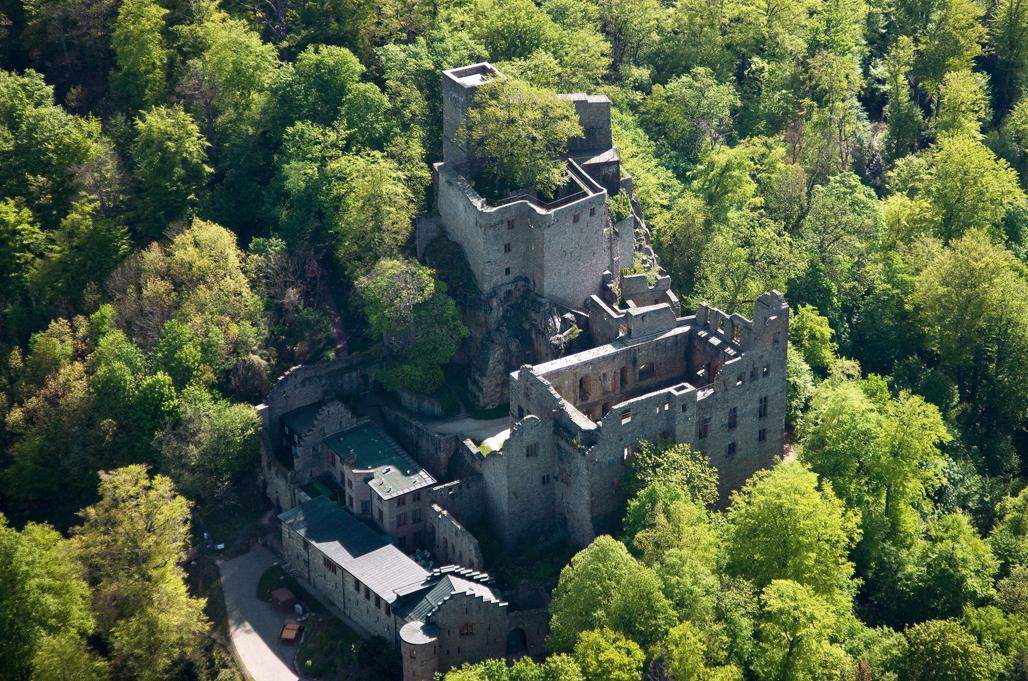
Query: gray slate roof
[422,604]
[355,547]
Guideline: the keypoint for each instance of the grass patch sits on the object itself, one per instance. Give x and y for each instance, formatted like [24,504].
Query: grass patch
[274,578]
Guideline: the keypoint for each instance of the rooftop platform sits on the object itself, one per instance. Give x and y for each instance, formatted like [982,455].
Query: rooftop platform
[366,448]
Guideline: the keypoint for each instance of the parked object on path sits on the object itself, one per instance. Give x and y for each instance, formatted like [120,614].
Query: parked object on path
[283,599]
[290,633]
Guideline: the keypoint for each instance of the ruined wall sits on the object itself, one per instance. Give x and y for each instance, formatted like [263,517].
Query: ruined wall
[451,542]
[520,482]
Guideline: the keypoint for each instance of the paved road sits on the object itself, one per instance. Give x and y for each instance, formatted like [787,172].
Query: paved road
[253,624]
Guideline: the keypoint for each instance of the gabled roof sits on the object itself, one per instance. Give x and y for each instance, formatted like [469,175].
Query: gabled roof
[421,601]
[353,546]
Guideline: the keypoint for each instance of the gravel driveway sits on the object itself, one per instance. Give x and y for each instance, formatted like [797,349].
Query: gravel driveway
[254,625]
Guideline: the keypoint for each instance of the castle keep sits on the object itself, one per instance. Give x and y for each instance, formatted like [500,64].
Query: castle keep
[589,360]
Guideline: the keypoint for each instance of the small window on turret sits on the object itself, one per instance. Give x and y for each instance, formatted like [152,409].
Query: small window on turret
[506,248]
[575,217]
[510,224]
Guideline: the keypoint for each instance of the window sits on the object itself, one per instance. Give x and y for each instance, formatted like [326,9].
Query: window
[356,585]
[329,565]
[367,593]
[546,479]
[592,211]
[647,371]
[415,515]
[378,601]
[730,449]
[510,224]
[753,373]
[765,371]
[467,629]
[506,271]
[762,435]
[738,380]
[624,373]
[733,418]
[521,413]
[506,248]
[575,217]
[401,519]
[762,408]
[416,496]
[402,501]
[626,417]
[349,483]
[365,506]
[388,611]
[684,405]
[378,512]
[531,450]
[703,429]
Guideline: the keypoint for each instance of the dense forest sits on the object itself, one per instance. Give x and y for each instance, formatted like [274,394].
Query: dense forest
[195,196]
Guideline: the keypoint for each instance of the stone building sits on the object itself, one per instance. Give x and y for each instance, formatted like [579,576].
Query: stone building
[557,253]
[437,618]
[604,360]
[711,380]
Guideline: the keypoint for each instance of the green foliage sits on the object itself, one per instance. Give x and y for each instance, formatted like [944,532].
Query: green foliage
[942,650]
[42,596]
[798,633]
[555,668]
[140,52]
[419,324]
[603,654]
[605,587]
[518,132]
[131,544]
[784,524]
[169,163]
[811,335]
[677,464]
[1009,538]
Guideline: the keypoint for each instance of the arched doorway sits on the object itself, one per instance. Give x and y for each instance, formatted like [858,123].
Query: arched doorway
[517,642]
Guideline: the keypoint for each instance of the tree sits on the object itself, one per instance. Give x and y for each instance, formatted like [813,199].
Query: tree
[679,236]
[140,53]
[22,242]
[811,335]
[799,633]
[690,113]
[131,544]
[169,163]
[678,464]
[963,104]
[844,222]
[958,565]
[419,324]
[64,657]
[1008,37]
[518,132]
[604,655]
[942,650]
[783,524]
[951,37]
[603,586]
[211,446]
[684,656]
[1009,537]
[881,454]
[903,115]
[42,595]
[799,386]
[969,300]
[969,187]
[44,147]
[555,668]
